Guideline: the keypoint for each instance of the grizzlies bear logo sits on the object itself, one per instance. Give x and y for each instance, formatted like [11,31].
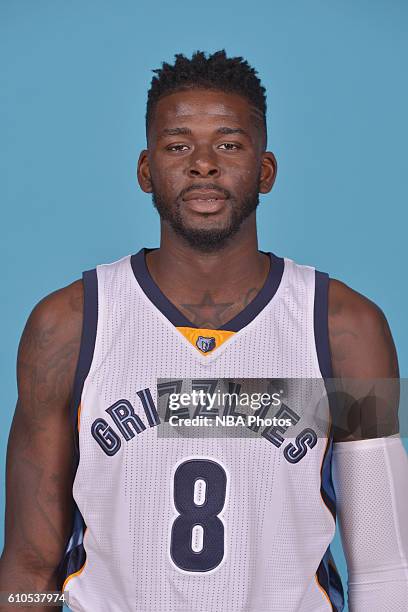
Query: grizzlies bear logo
[205,344]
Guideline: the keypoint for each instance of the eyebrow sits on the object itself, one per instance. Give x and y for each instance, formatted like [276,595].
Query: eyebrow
[184,131]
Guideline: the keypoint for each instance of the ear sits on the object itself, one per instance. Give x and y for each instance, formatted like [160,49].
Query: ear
[269,169]
[143,172]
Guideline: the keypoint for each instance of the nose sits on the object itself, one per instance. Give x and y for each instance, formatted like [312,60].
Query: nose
[203,164]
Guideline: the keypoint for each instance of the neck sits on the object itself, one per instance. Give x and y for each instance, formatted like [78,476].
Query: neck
[233,275]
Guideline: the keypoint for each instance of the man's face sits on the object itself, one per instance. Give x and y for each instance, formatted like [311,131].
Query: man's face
[205,164]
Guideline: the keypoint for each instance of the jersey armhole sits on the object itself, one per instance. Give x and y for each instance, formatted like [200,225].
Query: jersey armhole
[74,557]
[321,323]
[87,343]
[327,574]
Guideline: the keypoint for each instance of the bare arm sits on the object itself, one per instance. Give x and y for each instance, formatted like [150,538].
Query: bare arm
[370,465]
[365,366]
[40,467]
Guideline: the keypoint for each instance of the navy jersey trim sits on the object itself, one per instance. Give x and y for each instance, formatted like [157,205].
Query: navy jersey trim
[327,573]
[155,295]
[329,579]
[321,323]
[74,555]
[88,338]
[326,488]
[262,298]
[153,291]
[321,331]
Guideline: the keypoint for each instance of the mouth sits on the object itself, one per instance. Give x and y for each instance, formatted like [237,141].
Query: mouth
[208,202]
[206,205]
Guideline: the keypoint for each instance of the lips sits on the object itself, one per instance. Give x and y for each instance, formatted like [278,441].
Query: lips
[204,195]
[208,202]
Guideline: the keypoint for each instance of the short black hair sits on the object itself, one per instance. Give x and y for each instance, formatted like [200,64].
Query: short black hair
[217,72]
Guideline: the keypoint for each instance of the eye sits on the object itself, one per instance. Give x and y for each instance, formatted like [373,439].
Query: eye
[176,147]
[230,146]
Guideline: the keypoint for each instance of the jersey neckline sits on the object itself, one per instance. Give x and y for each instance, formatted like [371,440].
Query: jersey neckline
[178,319]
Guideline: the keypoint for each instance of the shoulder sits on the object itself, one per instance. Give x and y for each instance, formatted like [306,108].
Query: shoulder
[50,342]
[360,338]
[63,309]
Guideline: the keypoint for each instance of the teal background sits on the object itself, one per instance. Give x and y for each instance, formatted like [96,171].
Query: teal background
[74,78]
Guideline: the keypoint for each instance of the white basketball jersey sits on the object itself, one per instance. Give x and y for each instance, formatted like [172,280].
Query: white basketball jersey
[210,518]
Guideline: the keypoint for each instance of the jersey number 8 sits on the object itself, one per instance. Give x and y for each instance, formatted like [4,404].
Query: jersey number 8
[197,536]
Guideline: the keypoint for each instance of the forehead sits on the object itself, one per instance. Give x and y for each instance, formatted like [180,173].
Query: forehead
[203,106]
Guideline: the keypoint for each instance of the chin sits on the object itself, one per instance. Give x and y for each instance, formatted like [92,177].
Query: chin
[206,240]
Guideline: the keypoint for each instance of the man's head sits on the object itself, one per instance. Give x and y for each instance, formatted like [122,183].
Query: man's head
[206,135]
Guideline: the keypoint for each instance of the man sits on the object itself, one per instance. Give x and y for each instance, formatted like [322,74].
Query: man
[166,522]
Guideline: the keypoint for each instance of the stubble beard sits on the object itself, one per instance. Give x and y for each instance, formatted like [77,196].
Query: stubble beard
[207,240]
